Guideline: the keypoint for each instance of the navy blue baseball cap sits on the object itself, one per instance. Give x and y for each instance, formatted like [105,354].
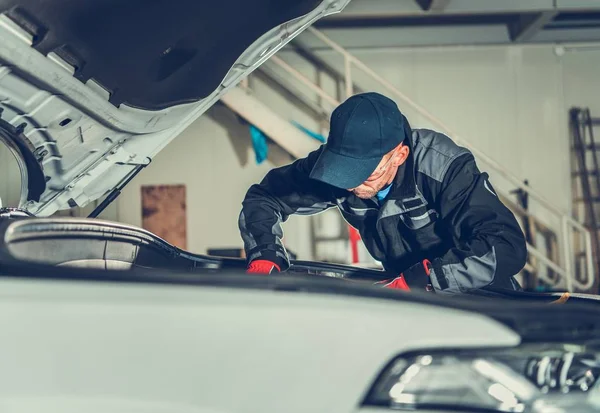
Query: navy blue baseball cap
[363,129]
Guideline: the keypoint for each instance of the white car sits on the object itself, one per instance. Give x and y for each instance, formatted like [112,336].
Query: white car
[103,317]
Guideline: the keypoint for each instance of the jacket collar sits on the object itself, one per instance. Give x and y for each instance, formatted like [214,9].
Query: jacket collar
[404,185]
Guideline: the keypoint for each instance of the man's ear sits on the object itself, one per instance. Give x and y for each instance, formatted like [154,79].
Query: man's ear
[402,153]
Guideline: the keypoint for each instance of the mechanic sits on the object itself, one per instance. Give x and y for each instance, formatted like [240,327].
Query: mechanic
[421,205]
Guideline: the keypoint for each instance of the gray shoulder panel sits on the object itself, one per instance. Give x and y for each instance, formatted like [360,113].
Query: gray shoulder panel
[434,152]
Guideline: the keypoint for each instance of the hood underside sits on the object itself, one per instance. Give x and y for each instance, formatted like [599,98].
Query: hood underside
[151,54]
[90,91]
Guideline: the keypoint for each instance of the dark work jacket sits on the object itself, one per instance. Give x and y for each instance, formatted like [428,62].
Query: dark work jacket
[440,207]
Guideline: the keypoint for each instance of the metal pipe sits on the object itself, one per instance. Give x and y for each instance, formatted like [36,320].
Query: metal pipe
[278,61]
[589,256]
[555,267]
[114,194]
[545,278]
[589,260]
[348,76]
[567,47]
[549,263]
[567,252]
[578,225]
[328,41]
[590,276]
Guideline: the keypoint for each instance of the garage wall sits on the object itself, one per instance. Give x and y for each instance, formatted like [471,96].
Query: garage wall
[213,158]
[510,102]
[581,78]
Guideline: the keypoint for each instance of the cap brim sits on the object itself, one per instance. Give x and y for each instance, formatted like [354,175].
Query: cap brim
[342,171]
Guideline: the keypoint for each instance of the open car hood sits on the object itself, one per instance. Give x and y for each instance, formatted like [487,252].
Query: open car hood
[91,91]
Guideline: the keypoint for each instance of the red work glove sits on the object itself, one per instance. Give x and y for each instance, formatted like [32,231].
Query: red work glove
[415,278]
[262,267]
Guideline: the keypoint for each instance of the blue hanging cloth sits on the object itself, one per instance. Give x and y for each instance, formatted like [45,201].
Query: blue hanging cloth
[259,140]
[310,133]
[259,143]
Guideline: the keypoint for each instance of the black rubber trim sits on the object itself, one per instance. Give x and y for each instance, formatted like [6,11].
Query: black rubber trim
[438,273]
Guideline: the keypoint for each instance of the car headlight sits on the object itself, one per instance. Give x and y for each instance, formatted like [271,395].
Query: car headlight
[508,380]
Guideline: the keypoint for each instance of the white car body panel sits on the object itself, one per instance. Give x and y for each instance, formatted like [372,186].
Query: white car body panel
[86,346]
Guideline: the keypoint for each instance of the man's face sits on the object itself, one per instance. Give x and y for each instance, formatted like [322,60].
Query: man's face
[383,175]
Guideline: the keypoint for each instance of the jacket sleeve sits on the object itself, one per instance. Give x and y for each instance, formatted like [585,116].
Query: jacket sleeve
[284,191]
[490,246]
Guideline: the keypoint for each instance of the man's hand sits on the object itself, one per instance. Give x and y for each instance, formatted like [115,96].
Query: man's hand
[415,278]
[262,267]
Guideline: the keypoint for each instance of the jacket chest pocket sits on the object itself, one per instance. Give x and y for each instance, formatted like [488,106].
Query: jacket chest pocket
[419,218]
[422,229]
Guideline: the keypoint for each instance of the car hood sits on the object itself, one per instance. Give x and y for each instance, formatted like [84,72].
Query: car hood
[227,342]
[91,91]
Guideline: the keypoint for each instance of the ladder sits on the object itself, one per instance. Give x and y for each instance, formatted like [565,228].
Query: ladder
[586,176]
